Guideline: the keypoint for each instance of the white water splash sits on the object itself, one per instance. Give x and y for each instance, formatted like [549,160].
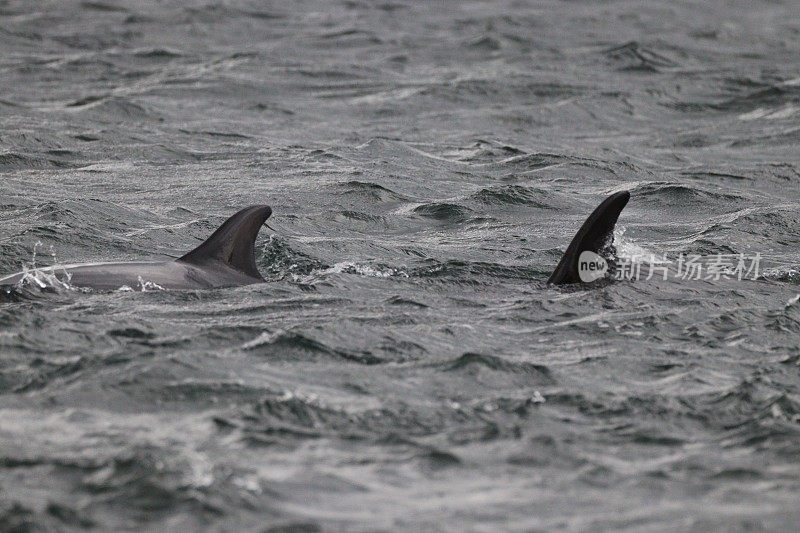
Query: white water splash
[634,252]
[44,277]
[146,286]
[374,271]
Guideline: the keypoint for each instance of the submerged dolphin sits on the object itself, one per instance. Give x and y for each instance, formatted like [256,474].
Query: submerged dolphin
[595,235]
[227,258]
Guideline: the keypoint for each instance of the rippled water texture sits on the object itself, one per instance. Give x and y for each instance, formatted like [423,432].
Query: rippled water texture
[406,367]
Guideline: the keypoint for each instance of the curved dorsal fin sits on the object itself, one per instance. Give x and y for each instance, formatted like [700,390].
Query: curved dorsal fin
[234,241]
[592,236]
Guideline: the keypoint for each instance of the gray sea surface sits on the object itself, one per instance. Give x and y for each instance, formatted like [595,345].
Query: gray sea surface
[406,368]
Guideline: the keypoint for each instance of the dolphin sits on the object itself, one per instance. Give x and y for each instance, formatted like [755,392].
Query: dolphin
[226,259]
[595,235]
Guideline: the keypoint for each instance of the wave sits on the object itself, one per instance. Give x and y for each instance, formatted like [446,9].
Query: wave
[476,272]
[368,191]
[443,212]
[278,260]
[636,57]
[470,361]
[518,195]
[294,346]
[58,159]
[685,196]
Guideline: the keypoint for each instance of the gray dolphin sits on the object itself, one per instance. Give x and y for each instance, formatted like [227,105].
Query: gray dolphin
[226,259]
[595,235]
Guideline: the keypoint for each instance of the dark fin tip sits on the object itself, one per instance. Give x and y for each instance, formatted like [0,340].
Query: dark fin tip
[234,242]
[595,234]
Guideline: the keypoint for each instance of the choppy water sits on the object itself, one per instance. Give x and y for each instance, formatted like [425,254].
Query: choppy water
[406,368]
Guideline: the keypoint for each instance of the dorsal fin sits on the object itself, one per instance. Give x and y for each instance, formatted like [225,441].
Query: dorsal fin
[593,236]
[234,241]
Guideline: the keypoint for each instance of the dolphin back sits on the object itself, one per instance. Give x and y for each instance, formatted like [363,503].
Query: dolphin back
[233,244]
[595,234]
